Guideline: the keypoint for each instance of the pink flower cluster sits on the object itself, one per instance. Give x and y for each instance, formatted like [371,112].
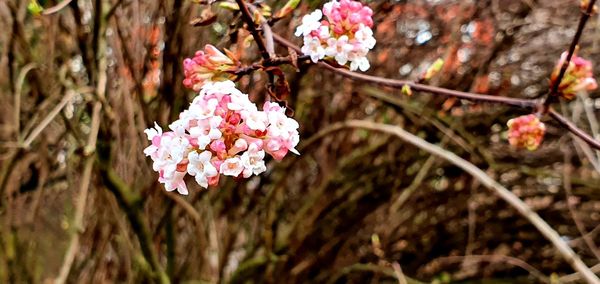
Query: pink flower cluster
[209,65]
[526,131]
[345,35]
[222,132]
[578,77]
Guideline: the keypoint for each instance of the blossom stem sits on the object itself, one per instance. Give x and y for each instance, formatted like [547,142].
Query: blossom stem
[585,15]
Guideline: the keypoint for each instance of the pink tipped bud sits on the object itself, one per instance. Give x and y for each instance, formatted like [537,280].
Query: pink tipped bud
[526,131]
[208,65]
[578,76]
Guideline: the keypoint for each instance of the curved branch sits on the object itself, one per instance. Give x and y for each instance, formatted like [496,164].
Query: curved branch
[563,249]
[56,8]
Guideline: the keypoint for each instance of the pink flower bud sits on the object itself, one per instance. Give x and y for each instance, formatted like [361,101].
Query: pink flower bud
[578,77]
[208,65]
[526,131]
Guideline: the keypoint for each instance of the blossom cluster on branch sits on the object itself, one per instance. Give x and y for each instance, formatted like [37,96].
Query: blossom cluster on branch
[345,35]
[222,132]
[578,76]
[209,65]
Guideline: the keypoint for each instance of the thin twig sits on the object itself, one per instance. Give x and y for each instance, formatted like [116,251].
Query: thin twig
[56,8]
[38,129]
[524,103]
[563,249]
[273,61]
[574,129]
[247,17]
[82,197]
[580,145]
[18,90]
[493,258]
[591,117]
[266,29]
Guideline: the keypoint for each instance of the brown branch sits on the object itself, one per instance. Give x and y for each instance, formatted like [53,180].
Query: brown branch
[56,8]
[574,129]
[398,84]
[273,61]
[82,197]
[247,17]
[585,15]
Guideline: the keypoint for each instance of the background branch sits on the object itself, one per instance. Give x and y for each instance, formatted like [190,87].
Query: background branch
[563,249]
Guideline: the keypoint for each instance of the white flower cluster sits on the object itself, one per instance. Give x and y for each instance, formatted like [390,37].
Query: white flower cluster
[222,132]
[345,35]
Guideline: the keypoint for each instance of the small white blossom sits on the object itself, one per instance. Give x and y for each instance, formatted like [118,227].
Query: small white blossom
[232,167]
[200,167]
[312,47]
[253,162]
[310,23]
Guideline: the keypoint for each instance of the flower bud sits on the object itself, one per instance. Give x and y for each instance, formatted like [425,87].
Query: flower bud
[209,65]
[526,131]
[578,77]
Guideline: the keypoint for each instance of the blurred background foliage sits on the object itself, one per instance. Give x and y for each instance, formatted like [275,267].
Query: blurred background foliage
[353,205]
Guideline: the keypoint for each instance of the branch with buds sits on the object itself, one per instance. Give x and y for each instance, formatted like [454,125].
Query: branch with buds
[341,34]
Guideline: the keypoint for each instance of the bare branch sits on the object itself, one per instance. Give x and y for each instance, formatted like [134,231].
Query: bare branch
[574,129]
[247,16]
[398,84]
[56,8]
[82,197]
